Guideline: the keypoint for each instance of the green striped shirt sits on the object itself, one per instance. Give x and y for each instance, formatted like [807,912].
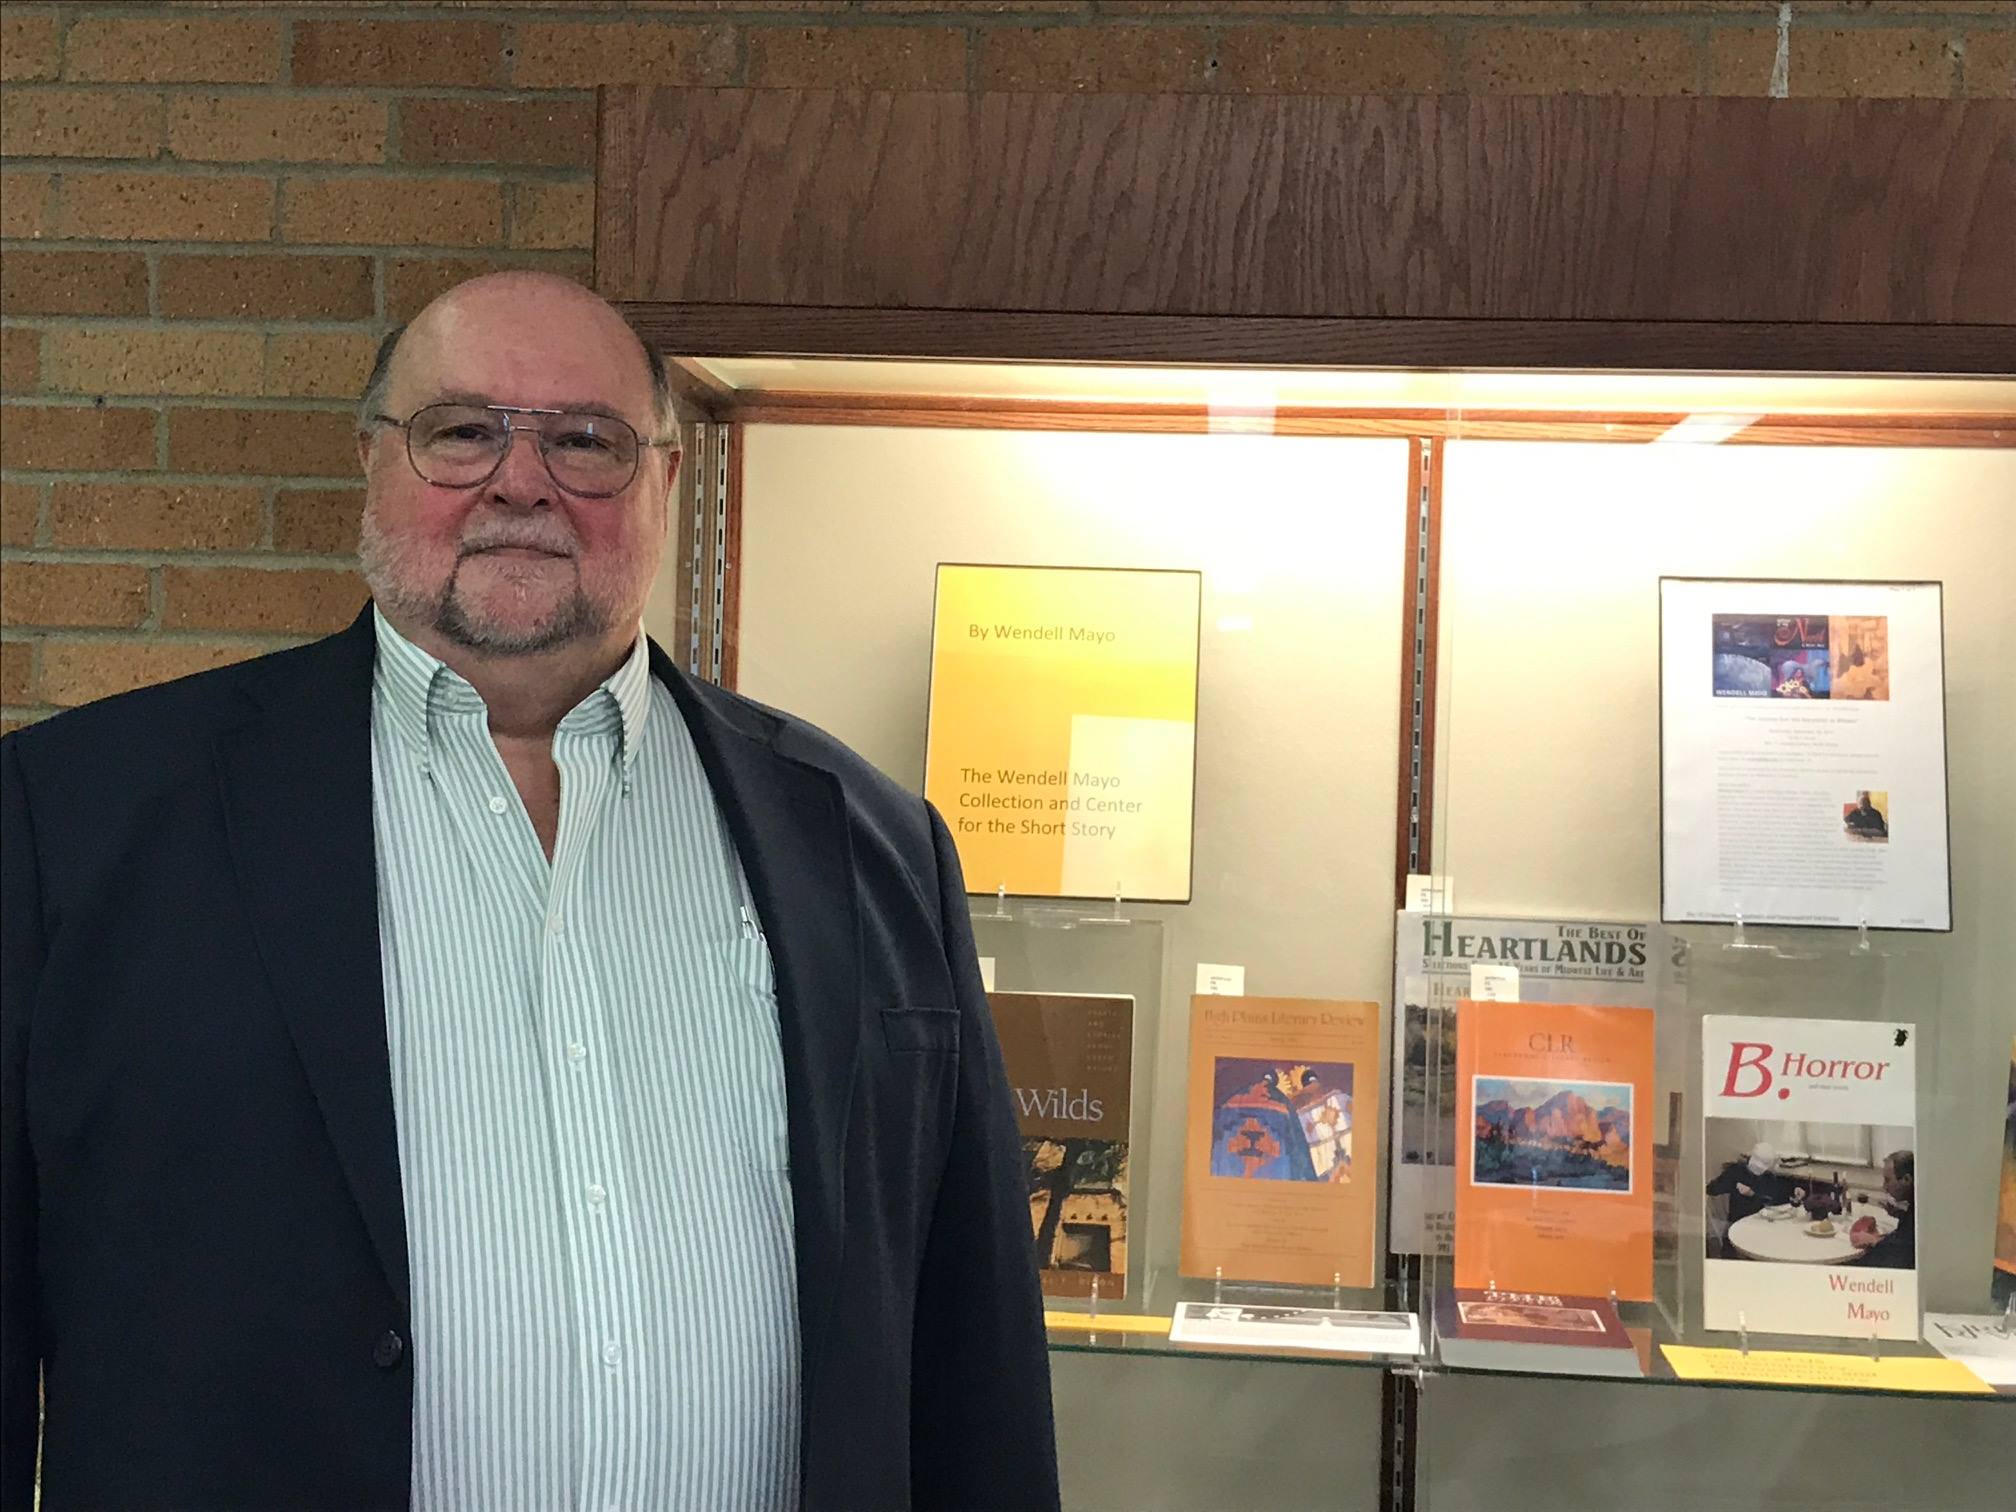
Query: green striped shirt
[591,1115]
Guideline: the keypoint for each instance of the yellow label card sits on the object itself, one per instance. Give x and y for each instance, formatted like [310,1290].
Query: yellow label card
[1821,1371]
[1107,1322]
[1063,729]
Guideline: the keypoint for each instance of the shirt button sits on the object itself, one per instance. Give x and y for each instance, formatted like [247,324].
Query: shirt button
[612,1353]
[597,1193]
[554,924]
[497,803]
[576,1051]
[389,1350]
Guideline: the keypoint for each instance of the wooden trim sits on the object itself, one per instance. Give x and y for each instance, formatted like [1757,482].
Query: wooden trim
[694,383]
[749,330]
[951,412]
[615,243]
[1475,208]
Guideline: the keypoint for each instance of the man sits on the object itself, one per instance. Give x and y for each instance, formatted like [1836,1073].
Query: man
[1898,1249]
[1866,820]
[467,1063]
[1751,1184]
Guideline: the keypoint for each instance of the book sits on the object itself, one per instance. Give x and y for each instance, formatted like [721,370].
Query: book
[1281,1144]
[1273,1327]
[1535,1331]
[1069,1060]
[2004,1285]
[1554,1174]
[1551,960]
[1810,1207]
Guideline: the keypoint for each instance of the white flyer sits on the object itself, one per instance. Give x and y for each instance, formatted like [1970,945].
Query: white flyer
[1272,1327]
[1802,731]
[1984,1342]
[1812,1192]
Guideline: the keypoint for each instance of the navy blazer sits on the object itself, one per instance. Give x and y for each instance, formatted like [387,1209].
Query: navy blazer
[200,1210]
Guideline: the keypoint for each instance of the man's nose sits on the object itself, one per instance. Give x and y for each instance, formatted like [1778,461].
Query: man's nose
[521,478]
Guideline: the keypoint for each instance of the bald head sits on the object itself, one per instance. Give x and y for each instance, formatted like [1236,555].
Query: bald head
[529,309]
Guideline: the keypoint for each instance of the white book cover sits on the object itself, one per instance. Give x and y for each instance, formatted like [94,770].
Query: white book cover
[1810,1151]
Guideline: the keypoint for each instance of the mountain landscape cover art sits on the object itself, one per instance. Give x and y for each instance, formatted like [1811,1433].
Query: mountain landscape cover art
[1572,1136]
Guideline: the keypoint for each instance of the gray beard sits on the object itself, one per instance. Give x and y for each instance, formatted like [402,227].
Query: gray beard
[385,566]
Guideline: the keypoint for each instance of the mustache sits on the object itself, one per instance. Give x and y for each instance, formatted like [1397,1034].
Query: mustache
[494,540]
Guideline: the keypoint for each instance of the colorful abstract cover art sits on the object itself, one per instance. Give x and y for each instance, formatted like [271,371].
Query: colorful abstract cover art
[1281,1142]
[1802,656]
[2005,1221]
[1070,1065]
[1554,1181]
[1280,1122]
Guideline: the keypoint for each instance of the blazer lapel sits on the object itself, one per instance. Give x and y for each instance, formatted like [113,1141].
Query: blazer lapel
[788,821]
[297,804]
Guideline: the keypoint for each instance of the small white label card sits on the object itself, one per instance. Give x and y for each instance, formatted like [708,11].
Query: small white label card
[1491,983]
[1220,981]
[987,972]
[1430,894]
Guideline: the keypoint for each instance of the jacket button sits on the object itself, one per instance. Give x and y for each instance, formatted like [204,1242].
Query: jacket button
[389,1350]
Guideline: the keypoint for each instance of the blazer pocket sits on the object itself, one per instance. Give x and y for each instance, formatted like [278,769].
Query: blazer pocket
[921,1030]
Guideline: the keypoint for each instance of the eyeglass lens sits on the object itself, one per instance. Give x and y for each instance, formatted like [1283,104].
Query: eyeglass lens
[460,445]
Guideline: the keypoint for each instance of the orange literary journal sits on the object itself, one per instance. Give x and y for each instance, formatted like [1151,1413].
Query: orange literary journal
[1554,1153]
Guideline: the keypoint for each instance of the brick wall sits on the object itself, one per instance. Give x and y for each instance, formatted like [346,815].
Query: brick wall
[210,212]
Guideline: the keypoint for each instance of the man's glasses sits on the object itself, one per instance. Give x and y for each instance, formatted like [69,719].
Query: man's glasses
[463,445]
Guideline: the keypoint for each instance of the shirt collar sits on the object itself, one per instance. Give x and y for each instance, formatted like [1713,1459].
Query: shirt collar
[418,688]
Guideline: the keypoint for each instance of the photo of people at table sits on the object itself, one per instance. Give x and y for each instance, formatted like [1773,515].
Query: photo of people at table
[1811,1193]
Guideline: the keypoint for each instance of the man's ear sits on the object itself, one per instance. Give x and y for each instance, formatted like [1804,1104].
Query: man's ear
[364,440]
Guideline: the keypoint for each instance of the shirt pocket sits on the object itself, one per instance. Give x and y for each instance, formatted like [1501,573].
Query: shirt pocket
[921,1031]
[750,1053]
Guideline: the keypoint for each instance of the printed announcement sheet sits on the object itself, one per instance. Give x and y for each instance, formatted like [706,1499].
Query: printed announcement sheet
[1063,728]
[1803,753]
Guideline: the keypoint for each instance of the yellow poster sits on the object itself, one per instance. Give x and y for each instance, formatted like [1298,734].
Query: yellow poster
[1063,729]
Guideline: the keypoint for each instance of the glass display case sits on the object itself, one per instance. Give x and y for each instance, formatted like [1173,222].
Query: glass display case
[1591,938]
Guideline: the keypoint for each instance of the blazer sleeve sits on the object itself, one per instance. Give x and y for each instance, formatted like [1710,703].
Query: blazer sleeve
[981,1434]
[21,949]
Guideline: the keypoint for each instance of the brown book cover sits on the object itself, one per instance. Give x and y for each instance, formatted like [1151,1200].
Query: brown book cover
[1070,1067]
[1282,1141]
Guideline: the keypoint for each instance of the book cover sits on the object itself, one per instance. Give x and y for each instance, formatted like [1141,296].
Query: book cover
[1496,1330]
[1810,1208]
[1556,961]
[1554,1176]
[2005,1214]
[1281,1143]
[1069,1061]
